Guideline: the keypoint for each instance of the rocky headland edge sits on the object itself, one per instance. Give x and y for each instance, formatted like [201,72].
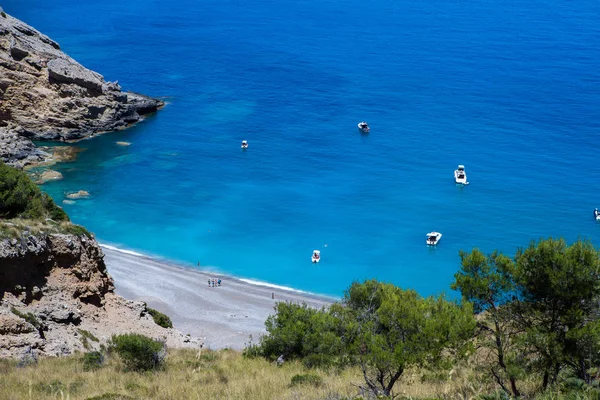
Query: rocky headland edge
[47,95]
[56,295]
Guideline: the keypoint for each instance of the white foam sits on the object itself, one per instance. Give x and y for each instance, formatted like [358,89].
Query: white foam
[130,252]
[212,269]
[271,285]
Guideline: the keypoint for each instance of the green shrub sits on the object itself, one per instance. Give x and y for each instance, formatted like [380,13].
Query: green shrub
[20,197]
[307,379]
[139,352]
[29,317]
[500,395]
[85,336]
[318,361]
[52,388]
[88,334]
[92,361]
[77,230]
[3,14]
[160,318]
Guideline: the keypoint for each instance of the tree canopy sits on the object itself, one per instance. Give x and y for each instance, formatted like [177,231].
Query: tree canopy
[20,197]
[539,310]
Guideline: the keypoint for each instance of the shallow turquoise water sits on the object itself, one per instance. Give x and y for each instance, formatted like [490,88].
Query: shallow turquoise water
[510,90]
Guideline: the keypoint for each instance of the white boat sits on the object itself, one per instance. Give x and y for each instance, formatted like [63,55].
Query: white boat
[316,256]
[460,176]
[244,144]
[433,238]
[596,214]
[363,127]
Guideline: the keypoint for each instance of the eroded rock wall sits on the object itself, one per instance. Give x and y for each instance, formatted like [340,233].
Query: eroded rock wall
[55,295]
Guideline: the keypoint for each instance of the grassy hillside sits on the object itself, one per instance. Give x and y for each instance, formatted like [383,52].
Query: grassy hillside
[227,374]
[214,375]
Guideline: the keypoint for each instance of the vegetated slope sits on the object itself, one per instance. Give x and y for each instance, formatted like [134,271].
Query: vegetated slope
[55,293]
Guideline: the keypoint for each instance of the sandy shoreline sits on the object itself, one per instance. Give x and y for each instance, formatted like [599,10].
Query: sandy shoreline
[226,316]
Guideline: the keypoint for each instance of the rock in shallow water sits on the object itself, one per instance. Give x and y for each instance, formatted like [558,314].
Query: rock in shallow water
[49,175]
[78,195]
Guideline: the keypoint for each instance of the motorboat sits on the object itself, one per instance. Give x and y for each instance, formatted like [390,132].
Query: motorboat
[316,256]
[433,238]
[596,214]
[460,176]
[363,127]
[244,144]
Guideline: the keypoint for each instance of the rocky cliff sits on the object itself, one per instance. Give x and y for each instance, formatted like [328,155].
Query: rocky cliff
[47,95]
[57,297]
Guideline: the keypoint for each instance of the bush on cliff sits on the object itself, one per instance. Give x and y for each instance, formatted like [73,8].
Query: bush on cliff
[139,352]
[92,361]
[20,197]
[159,318]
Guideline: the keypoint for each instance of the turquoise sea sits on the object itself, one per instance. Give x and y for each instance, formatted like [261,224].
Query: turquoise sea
[511,89]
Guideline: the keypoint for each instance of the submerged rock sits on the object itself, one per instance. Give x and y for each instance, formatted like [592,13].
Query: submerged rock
[65,153]
[78,195]
[49,175]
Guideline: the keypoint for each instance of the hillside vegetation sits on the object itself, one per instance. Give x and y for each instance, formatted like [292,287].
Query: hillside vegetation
[536,327]
[25,209]
[527,327]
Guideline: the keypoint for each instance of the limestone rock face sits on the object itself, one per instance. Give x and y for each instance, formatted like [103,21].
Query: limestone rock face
[55,291]
[46,95]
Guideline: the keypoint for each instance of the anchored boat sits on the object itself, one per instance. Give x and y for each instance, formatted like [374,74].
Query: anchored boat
[433,238]
[363,127]
[316,257]
[460,176]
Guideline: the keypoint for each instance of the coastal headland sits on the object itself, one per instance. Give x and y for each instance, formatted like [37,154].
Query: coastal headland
[56,292]
[47,95]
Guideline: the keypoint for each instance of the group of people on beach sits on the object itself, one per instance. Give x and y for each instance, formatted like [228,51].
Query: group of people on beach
[214,282]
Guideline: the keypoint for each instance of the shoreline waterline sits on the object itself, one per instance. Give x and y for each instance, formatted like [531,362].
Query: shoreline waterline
[218,273]
[223,316]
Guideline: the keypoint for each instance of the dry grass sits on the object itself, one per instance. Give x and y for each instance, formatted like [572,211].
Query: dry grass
[216,375]
[225,375]
[18,227]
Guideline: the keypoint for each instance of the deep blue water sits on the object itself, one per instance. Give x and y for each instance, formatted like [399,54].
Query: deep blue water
[510,89]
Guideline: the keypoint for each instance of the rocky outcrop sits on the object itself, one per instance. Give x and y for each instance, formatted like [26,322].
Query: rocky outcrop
[56,297]
[49,175]
[47,95]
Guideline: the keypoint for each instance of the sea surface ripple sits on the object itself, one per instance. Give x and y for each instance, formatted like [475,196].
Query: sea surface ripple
[510,89]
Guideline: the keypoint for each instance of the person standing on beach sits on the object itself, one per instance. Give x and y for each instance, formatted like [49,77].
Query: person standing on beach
[219,281]
[209,283]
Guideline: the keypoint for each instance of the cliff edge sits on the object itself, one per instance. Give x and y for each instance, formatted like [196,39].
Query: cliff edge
[47,95]
[56,297]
